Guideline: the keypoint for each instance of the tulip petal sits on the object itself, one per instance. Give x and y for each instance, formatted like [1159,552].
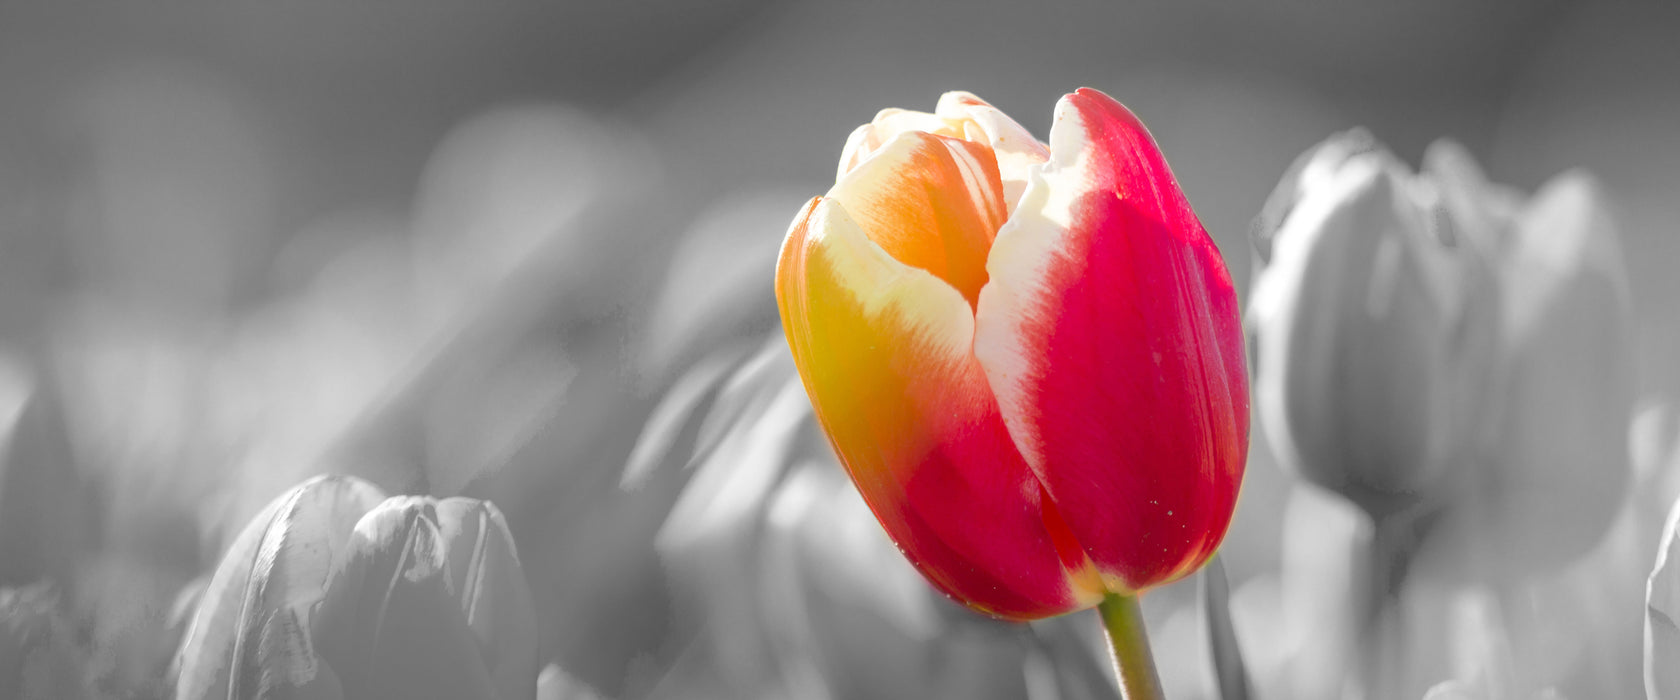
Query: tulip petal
[387,622]
[1110,335]
[884,351]
[485,575]
[931,202]
[886,126]
[290,670]
[1567,390]
[1370,331]
[1018,151]
[280,560]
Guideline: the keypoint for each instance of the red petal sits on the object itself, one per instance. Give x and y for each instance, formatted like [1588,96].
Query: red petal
[1111,337]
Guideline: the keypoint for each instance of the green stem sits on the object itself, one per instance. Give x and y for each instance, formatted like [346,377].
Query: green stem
[1123,621]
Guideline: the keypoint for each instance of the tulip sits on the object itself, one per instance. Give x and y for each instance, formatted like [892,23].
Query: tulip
[1449,355]
[279,561]
[1372,319]
[335,591]
[1552,462]
[1042,397]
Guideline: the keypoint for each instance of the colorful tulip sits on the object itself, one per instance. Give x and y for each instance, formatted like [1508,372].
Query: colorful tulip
[1374,318]
[1027,357]
[335,591]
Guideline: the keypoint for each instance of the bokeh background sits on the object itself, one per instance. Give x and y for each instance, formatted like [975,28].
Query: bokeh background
[487,248]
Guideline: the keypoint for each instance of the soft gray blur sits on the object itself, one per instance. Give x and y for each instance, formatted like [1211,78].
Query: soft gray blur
[517,251]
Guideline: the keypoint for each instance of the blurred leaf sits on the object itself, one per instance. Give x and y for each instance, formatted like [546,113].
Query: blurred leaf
[1662,616]
[1228,668]
[719,281]
[48,516]
[39,657]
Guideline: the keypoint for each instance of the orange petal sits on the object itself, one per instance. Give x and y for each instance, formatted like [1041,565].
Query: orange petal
[887,125]
[931,202]
[885,353]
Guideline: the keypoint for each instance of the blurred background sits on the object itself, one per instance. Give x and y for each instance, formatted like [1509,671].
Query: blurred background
[524,252]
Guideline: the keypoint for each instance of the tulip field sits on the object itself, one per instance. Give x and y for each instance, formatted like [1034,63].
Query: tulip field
[813,351]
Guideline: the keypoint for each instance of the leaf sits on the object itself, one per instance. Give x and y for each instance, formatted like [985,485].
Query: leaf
[1228,667]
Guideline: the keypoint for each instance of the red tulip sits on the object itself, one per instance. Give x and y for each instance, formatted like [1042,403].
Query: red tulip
[1028,358]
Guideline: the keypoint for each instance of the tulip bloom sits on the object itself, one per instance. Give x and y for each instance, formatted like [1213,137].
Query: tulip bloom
[334,591]
[1027,357]
[1375,317]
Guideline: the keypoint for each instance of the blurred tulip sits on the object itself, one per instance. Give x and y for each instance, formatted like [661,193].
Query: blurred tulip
[1025,456]
[1452,357]
[1373,320]
[1662,616]
[335,591]
[1553,462]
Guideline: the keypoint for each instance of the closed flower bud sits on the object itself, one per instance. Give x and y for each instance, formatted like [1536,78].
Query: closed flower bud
[280,561]
[1026,355]
[335,591]
[1374,318]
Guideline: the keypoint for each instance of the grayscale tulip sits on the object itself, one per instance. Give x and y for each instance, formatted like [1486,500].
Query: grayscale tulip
[335,591]
[279,562]
[1373,317]
[1552,463]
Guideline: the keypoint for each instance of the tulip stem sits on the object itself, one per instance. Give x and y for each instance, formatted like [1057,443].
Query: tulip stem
[1122,620]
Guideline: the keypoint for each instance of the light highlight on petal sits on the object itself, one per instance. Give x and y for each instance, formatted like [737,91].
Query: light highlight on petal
[932,203]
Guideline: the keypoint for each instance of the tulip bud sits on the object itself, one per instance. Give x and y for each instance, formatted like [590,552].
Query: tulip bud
[487,580]
[388,622]
[1027,356]
[334,591]
[1373,319]
[280,561]
[1554,464]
